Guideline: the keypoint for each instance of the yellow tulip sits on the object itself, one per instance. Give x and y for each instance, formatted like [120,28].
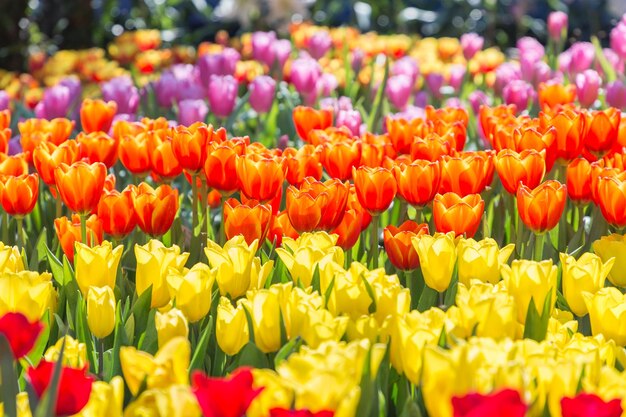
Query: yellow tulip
[170,324]
[274,395]
[106,399]
[172,401]
[481,260]
[321,326]
[154,264]
[238,270]
[304,254]
[613,246]
[74,353]
[526,280]
[26,292]
[367,327]
[296,304]
[607,313]
[264,309]
[231,327]
[10,259]
[437,259]
[23,405]
[585,275]
[168,367]
[192,290]
[96,266]
[101,311]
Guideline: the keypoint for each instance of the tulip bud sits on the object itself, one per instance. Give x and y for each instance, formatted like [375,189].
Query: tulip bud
[618,39]
[282,50]
[616,94]
[262,47]
[350,119]
[101,311]
[607,314]
[96,266]
[222,94]
[434,81]
[123,92]
[398,90]
[406,65]
[320,43]
[170,325]
[585,275]
[191,111]
[557,25]
[530,280]
[457,74]
[613,246]
[192,290]
[305,72]
[55,103]
[437,256]
[518,92]
[588,84]
[481,260]
[262,91]
[471,43]
[506,73]
[231,327]
[4,100]
[478,98]
[264,309]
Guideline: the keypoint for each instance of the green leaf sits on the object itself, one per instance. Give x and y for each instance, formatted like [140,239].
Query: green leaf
[368,403]
[250,355]
[9,390]
[202,347]
[427,299]
[536,326]
[35,355]
[119,339]
[150,343]
[56,267]
[288,348]
[607,68]
[40,252]
[141,311]
[83,333]
[376,110]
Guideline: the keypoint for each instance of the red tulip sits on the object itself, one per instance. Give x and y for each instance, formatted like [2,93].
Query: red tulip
[588,405]
[281,412]
[503,403]
[20,333]
[74,386]
[225,397]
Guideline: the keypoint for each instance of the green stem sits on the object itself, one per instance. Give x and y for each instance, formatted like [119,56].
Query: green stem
[100,344]
[441,300]
[194,211]
[58,204]
[539,247]
[221,235]
[83,229]
[20,232]
[374,241]
[5,228]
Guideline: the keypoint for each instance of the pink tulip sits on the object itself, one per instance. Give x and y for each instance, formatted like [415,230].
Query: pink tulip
[191,111]
[518,92]
[320,43]
[222,94]
[305,72]
[398,90]
[471,43]
[262,90]
[557,25]
[588,85]
[616,94]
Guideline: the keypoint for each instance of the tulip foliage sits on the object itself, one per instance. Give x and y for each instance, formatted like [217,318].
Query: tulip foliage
[444,239]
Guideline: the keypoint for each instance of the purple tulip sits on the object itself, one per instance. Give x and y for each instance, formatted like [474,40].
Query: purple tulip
[478,98]
[166,89]
[263,47]
[192,111]
[618,39]
[305,72]
[406,66]
[421,99]
[282,50]
[357,59]
[56,102]
[616,94]
[222,94]
[222,63]
[326,84]
[530,46]
[518,92]
[582,56]
[320,43]
[4,100]
[453,102]
[398,90]
[457,74]
[15,146]
[588,85]
[76,90]
[122,91]
[350,119]
[506,73]
[434,81]
[336,104]
[262,90]
[282,142]
[471,43]
[557,25]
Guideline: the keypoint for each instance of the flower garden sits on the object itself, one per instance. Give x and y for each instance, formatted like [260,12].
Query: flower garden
[330,224]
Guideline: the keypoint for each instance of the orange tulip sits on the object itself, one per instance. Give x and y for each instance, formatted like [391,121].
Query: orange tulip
[190,146]
[527,167]
[349,229]
[463,174]
[457,131]
[98,147]
[611,198]
[47,156]
[353,204]
[214,199]
[162,158]
[579,180]
[330,134]
[569,129]
[122,128]
[491,117]
[461,215]
[432,147]
[372,155]
[260,178]
[68,232]
[541,208]
[301,163]
[80,185]
[18,195]
[317,205]
[281,226]
[402,133]
[551,95]
[252,220]
[134,155]
[400,250]
[155,208]
[60,130]
[29,140]
[220,167]
[602,130]
[96,115]
[307,119]
[375,188]
[117,213]
[418,182]
[14,165]
[448,115]
[339,158]
[5,118]
[527,137]
[5,137]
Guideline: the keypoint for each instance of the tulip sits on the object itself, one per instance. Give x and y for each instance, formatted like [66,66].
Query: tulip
[162,158]
[541,208]
[47,156]
[222,63]
[584,404]
[348,230]
[106,399]
[20,332]
[222,93]
[319,44]
[613,247]
[226,397]
[602,130]
[506,73]
[101,311]
[551,95]
[231,327]
[281,412]
[191,111]
[461,215]
[418,182]
[557,25]
[220,167]
[457,75]
[123,92]
[508,401]
[80,185]
[437,256]
[4,100]
[611,198]
[56,102]
[252,220]
[304,75]
[350,119]
[238,270]
[606,314]
[340,158]
[260,178]
[117,213]
[466,174]
[586,274]
[262,92]
[307,119]
[406,66]
[530,281]
[97,147]
[618,39]
[398,90]
[616,94]
[317,205]
[69,231]
[375,188]
[579,180]
[588,84]
[434,81]
[519,93]
[134,155]
[471,43]
[191,146]
[97,115]
[18,195]
[154,263]
[155,208]
[74,387]
[525,168]
[192,290]
[400,251]
[169,325]
[96,266]
[481,260]
[262,47]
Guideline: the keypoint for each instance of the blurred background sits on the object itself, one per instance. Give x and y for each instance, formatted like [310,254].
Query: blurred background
[28,26]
